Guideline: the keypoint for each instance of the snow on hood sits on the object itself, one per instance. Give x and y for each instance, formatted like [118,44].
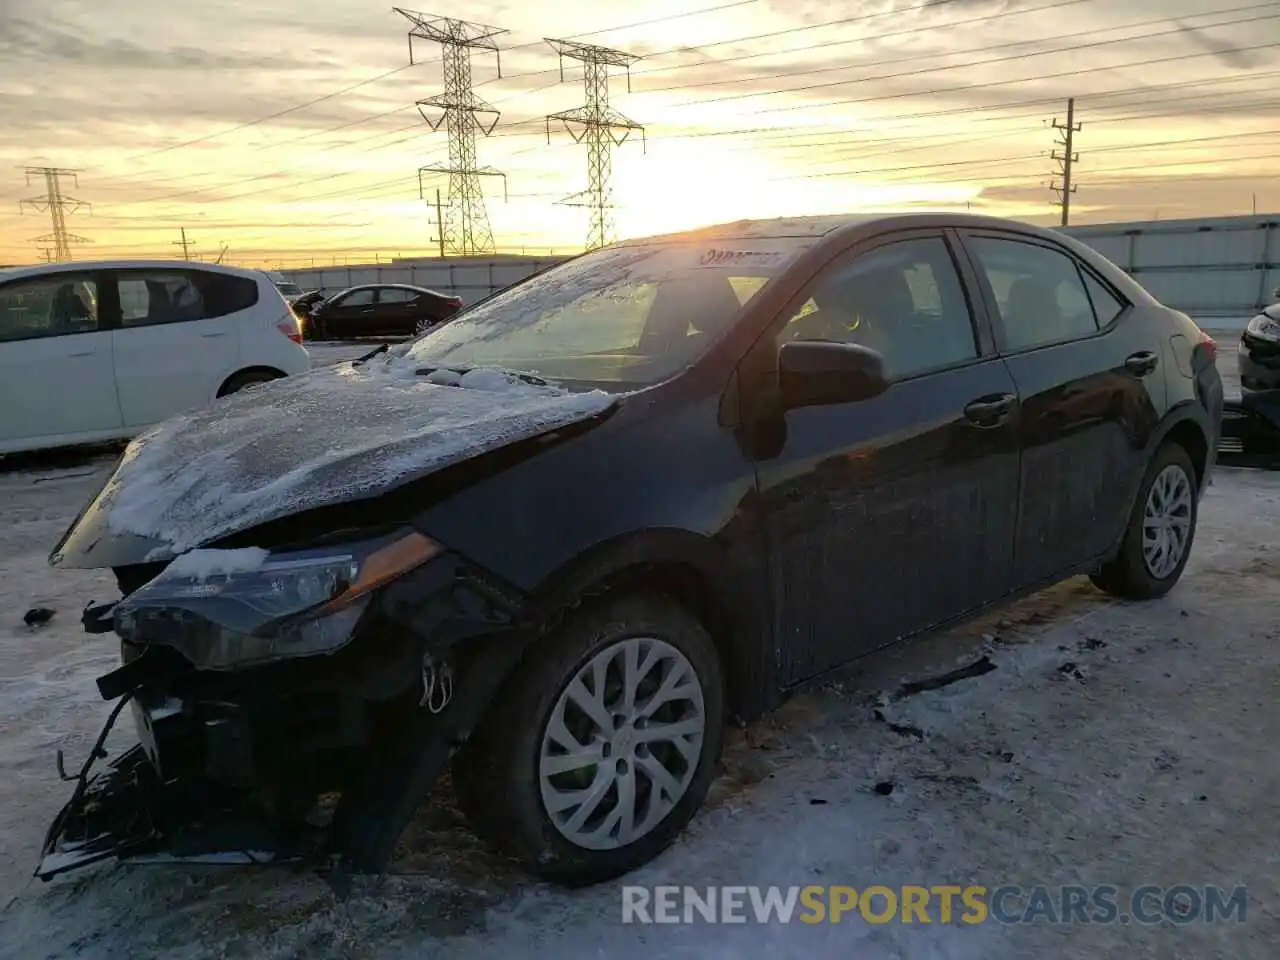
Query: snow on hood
[333,435]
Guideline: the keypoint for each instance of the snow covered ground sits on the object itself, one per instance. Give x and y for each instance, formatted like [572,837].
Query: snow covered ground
[1113,744]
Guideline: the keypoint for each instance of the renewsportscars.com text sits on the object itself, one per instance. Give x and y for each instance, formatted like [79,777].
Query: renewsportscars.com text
[943,903]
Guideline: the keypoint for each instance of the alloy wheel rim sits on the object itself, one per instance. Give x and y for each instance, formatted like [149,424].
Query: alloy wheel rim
[1166,522]
[622,743]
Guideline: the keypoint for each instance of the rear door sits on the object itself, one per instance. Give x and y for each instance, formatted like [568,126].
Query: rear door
[177,339]
[398,311]
[56,379]
[1090,391]
[890,515]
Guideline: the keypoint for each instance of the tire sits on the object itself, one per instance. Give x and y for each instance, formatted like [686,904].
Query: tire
[247,379]
[1131,574]
[498,776]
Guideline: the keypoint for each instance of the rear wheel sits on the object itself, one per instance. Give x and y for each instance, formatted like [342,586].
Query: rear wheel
[1162,527]
[602,746]
[247,379]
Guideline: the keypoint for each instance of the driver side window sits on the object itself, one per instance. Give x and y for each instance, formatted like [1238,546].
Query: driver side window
[903,299]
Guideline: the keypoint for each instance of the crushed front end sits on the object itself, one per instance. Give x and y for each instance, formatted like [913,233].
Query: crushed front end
[290,705]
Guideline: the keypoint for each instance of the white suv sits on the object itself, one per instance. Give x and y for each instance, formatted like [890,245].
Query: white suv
[100,351]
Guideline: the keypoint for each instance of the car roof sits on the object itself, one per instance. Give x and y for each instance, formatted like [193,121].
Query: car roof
[816,227]
[387,286]
[43,269]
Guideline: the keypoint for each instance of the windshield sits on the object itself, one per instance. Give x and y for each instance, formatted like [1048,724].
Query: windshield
[626,316]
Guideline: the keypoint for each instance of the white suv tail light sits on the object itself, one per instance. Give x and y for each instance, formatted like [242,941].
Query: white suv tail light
[288,325]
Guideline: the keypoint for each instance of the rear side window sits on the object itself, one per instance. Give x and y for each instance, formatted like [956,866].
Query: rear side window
[154,297]
[395,295]
[1039,292]
[48,307]
[1105,305]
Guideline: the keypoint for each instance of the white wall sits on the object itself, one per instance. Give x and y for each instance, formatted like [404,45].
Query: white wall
[1223,267]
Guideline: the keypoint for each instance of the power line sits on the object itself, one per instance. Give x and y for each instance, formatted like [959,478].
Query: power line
[982,63]
[965,88]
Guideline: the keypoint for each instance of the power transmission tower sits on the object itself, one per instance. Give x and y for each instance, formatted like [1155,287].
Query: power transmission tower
[465,228]
[600,127]
[1066,160]
[57,204]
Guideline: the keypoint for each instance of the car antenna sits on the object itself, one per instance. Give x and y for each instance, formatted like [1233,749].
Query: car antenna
[371,354]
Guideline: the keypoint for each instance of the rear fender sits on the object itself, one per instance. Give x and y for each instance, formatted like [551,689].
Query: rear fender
[1187,412]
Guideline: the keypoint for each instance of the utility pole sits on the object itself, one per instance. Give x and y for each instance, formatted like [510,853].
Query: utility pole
[439,237]
[600,127]
[57,204]
[1066,160]
[465,228]
[186,255]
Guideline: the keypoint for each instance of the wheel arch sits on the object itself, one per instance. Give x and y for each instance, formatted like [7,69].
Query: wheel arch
[697,573]
[1183,425]
[272,371]
[1191,436]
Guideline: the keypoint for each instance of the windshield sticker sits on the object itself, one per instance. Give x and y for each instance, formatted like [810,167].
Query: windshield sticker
[753,258]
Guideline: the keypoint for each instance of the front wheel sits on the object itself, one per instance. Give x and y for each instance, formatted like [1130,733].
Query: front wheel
[602,746]
[1162,527]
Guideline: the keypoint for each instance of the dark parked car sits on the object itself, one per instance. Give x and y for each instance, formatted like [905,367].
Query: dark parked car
[379,310]
[560,541]
[1253,423]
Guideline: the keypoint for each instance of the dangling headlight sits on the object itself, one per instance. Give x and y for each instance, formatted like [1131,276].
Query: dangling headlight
[224,609]
[1264,328]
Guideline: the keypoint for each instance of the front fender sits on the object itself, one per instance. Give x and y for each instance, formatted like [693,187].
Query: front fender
[730,597]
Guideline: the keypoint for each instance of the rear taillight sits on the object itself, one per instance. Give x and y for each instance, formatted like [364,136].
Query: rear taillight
[1209,345]
[289,327]
[455,302]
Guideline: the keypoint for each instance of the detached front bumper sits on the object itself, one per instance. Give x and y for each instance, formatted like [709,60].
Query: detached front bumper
[131,809]
[109,817]
[242,767]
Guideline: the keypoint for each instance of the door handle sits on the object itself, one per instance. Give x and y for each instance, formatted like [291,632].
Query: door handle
[1142,363]
[84,353]
[990,411]
[218,333]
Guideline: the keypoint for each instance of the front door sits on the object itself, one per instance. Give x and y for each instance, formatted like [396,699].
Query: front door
[175,343]
[1090,391]
[890,515]
[56,379]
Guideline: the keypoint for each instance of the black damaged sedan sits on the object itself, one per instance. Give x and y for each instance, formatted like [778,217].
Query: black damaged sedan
[556,545]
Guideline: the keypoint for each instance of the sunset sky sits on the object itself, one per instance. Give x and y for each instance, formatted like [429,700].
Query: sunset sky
[752,109]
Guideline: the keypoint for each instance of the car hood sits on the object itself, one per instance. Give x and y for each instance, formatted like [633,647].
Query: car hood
[1273,311]
[334,435]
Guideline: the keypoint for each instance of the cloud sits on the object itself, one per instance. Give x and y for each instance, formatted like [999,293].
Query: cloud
[1228,54]
[58,44]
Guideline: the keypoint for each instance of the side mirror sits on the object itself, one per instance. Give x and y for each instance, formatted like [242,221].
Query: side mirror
[1275,294]
[818,372]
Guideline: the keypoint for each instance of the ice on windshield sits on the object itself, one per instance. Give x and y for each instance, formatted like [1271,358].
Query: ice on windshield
[631,315]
